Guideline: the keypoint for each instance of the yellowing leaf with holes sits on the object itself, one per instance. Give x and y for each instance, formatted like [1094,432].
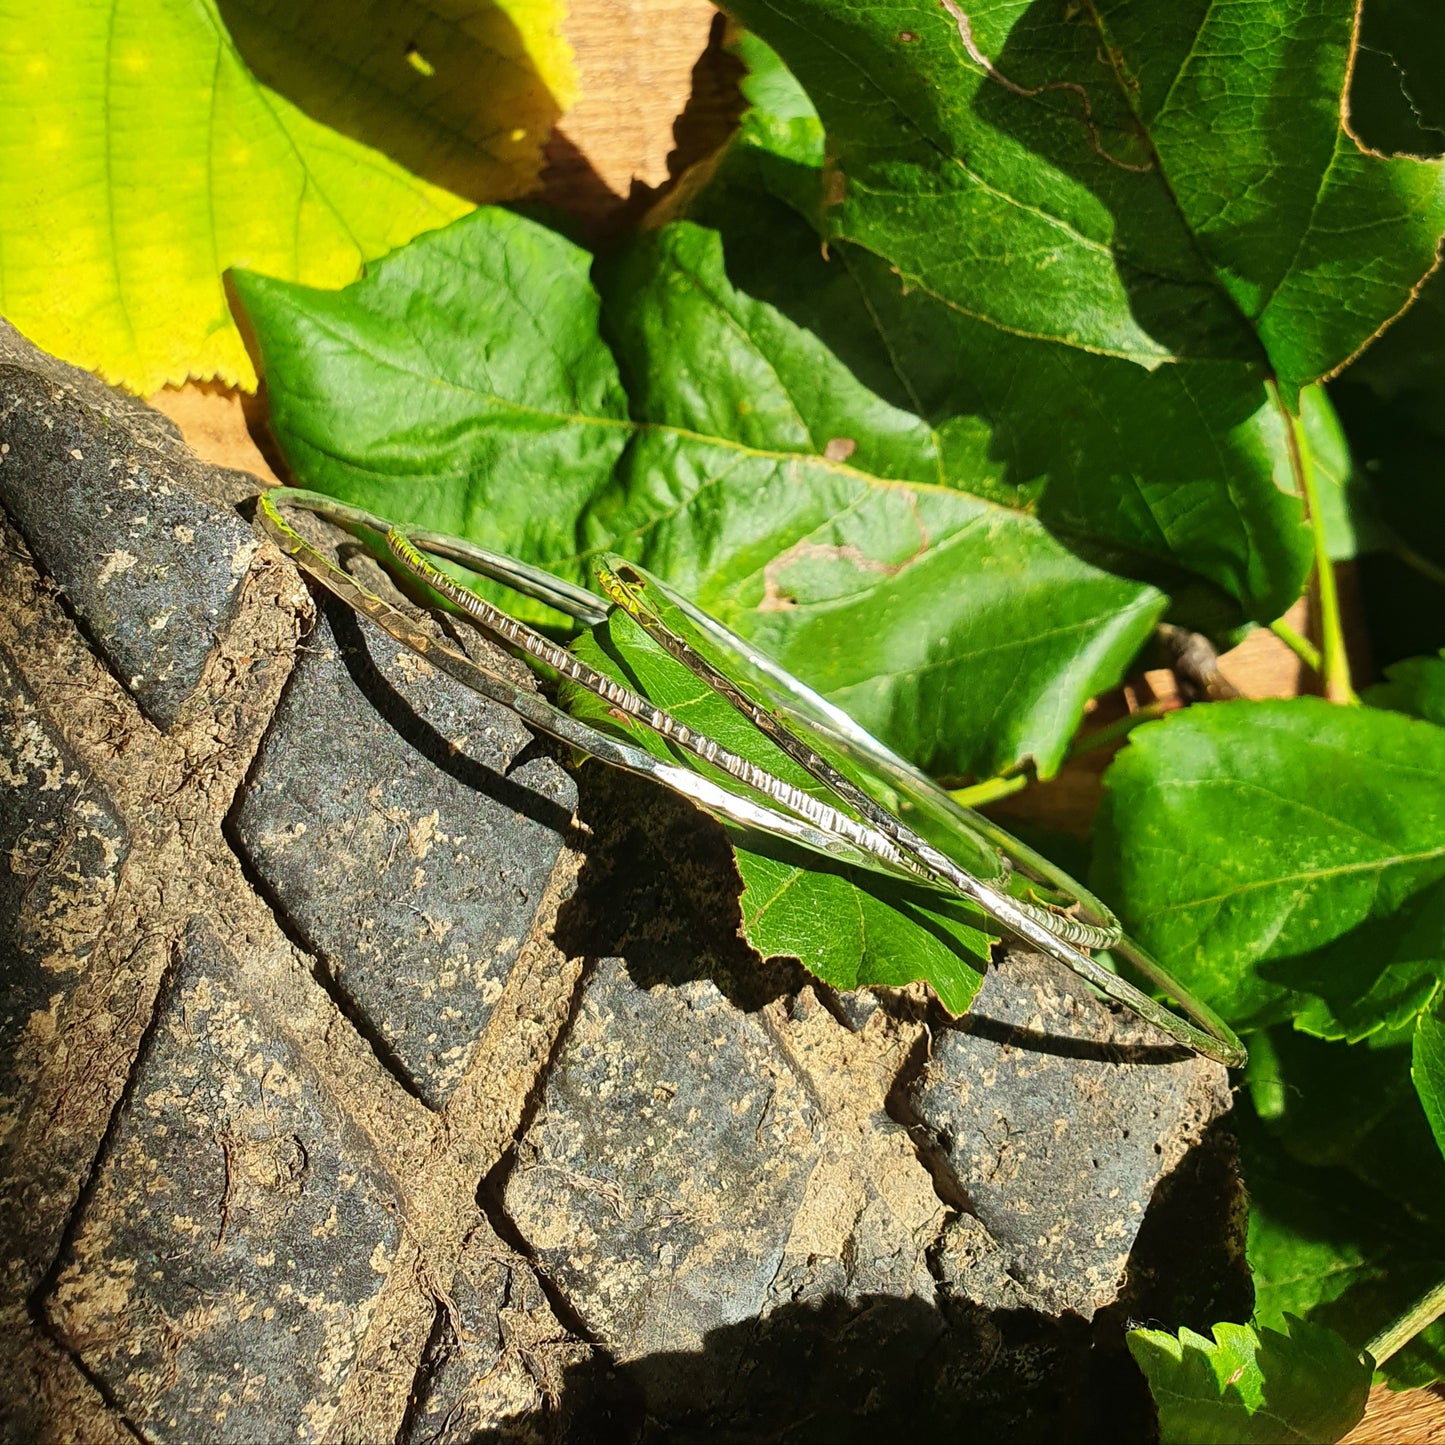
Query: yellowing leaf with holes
[140,158]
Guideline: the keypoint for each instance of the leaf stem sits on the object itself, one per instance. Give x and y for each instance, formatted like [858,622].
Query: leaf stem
[1122,727]
[990,790]
[1399,1332]
[1335,667]
[1301,646]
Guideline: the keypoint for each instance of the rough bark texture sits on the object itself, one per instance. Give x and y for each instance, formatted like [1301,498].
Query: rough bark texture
[362,1081]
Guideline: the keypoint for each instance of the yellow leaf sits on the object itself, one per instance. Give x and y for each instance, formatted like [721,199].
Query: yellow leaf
[140,158]
[461,92]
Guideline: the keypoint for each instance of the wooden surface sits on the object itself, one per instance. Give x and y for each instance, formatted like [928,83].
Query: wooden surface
[636,61]
[1416,1417]
[214,421]
[634,65]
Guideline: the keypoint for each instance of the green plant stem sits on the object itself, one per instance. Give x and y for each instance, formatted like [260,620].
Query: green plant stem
[1121,727]
[1335,667]
[1301,646]
[990,790]
[1399,1332]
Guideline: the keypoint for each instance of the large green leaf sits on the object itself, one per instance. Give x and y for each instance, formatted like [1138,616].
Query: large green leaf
[1116,180]
[1397,102]
[139,158]
[1326,1246]
[1182,470]
[1393,398]
[1397,93]
[463,383]
[847,926]
[1285,858]
[1392,401]
[1407,364]
[1252,1384]
[1352,1107]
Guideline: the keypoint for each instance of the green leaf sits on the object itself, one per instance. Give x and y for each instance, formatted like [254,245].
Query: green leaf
[139,158]
[1113,183]
[1392,398]
[1397,94]
[1392,401]
[847,926]
[463,94]
[463,383]
[1375,978]
[1415,686]
[1184,470]
[1427,1069]
[1284,858]
[1247,1384]
[1327,1247]
[780,119]
[1407,364]
[1353,1107]
[851,930]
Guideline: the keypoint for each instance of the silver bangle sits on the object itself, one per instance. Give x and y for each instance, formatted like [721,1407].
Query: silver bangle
[840,819]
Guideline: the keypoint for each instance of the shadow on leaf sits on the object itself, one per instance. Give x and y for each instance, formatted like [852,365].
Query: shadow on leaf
[459,95]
